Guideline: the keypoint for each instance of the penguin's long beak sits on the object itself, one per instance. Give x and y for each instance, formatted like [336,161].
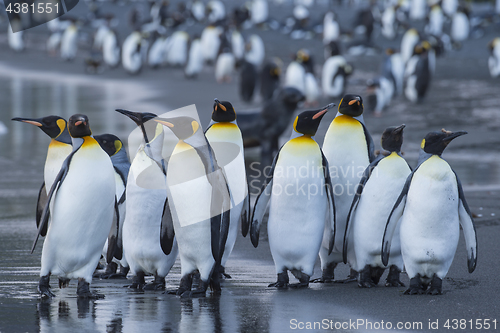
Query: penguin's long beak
[219,104]
[453,135]
[399,129]
[138,117]
[29,121]
[323,110]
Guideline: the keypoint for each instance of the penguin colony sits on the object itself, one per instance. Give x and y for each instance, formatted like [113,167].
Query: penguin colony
[392,216]
[159,38]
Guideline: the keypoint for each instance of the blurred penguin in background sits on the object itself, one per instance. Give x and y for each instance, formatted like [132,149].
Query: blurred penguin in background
[210,43]
[334,73]
[408,42]
[255,50]
[248,81]
[270,79]
[494,58]
[389,22]
[176,47]
[460,27]
[435,21]
[331,28]
[69,41]
[393,68]
[16,39]
[195,59]
[418,10]
[259,11]
[417,75]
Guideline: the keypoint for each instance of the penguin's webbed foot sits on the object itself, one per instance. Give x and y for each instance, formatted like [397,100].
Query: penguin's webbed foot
[223,274]
[282,282]
[200,292]
[393,277]
[327,275]
[436,287]
[83,291]
[366,284]
[154,286]
[184,285]
[303,282]
[138,281]
[416,286]
[44,287]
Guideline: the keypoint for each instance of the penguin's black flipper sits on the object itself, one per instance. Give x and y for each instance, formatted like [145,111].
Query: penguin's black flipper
[331,202]
[468,227]
[44,220]
[393,219]
[41,202]
[245,213]
[369,144]
[355,201]
[259,210]
[167,233]
[114,250]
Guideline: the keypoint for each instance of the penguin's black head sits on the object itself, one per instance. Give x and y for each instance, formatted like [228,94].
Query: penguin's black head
[110,143]
[138,117]
[223,112]
[292,96]
[435,142]
[53,126]
[307,122]
[183,127]
[334,48]
[78,126]
[351,105]
[392,138]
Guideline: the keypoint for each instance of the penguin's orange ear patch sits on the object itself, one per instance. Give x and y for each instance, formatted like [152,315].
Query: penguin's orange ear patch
[353,101]
[222,107]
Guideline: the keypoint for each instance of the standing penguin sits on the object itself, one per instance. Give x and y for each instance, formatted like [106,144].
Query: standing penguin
[248,81]
[389,22]
[334,73]
[255,50]
[113,146]
[132,52]
[410,39]
[494,58]
[375,196]
[82,202]
[348,147]
[224,67]
[296,218]
[59,148]
[111,48]
[69,41]
[147,244]
[223,134]
[195,60]
[176,49]
[270,79]
[460,28]
[430,209]
[210,43]
[15,39]
[331,28]
[199,201]
[417,75]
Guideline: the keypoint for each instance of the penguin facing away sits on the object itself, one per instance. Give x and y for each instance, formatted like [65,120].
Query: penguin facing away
[270,79]
[430,209]
[348,147]
[82,204]
[59,148]
[224,135]
[200,224]
[375,195]
[148,244]
[248,81]
[296,219]
[113,146]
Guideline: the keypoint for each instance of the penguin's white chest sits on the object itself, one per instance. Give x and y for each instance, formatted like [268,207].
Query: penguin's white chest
[56,155]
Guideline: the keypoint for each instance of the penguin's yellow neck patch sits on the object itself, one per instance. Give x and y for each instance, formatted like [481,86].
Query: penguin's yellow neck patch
[118,146]
[224,126]
[393,155]
[422,145]
[303,140]
[57,144]
[344,120]
[62,126]
[89,142]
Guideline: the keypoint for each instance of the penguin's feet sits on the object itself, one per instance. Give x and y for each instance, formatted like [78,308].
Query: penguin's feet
[282,282]
[393,277]
[365,278]
[110,271]
[416,286]
[184,285]
[436,287]
[83,291]
[155,285]
[200,292]
[138,281]
[366,284]
[353,277]
[303,282]
[63,283]
[327,275]
[44,287]
[223,274]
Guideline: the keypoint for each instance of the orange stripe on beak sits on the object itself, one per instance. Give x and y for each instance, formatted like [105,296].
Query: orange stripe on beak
[319,114]
[353,101]
[36,123]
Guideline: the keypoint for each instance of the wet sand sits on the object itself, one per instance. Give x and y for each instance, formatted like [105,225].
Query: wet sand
[462,97]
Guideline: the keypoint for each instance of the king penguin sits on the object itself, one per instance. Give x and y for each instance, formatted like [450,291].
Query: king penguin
[82,204]
[348,147]
[199,201]
[113,146]
[69,41]
[375,196]
[296,217]
[494,58]
[430,209]
[147,246]
[224,137]
[59,148]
